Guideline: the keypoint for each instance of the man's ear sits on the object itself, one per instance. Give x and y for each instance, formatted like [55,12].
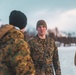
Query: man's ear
[23,30]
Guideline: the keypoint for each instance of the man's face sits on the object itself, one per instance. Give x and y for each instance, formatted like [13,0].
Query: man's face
[41,30]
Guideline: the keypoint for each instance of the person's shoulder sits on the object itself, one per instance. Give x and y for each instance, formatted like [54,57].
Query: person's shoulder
[5,29]
[50,39]
[32,38]
[16,33]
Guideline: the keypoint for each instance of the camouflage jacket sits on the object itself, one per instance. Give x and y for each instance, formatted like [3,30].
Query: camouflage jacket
[45,55]
[14,53]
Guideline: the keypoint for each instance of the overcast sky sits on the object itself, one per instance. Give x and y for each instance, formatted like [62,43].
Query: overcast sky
[56,13]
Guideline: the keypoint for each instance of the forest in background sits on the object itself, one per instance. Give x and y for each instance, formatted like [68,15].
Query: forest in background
[67,39]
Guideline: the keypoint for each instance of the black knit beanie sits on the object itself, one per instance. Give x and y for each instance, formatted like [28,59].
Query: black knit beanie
[41,22]
[18,19]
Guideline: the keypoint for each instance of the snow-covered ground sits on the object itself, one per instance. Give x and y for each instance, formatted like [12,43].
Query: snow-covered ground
[66,57]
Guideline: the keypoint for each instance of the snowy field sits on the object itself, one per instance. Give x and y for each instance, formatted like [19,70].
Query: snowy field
[66,57]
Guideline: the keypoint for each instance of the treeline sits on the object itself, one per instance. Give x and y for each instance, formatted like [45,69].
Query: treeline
[61,39]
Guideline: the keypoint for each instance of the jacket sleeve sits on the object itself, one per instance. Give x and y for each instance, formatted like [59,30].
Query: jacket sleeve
[56,62]
[21,61]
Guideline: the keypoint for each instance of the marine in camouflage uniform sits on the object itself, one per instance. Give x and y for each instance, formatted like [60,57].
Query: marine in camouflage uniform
[15,56]
[45,55]
[14,53]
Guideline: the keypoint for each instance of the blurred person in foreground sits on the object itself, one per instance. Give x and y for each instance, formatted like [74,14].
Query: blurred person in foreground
[44,52]
[15,56]
[75,59]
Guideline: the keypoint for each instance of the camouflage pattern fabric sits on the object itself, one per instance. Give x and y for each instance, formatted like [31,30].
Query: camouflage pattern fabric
[14,53]
[45,56]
